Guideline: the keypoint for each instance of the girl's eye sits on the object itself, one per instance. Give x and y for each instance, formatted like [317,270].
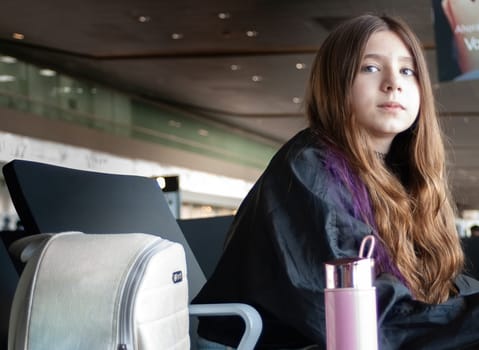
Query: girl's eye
[370,69]
[408,71]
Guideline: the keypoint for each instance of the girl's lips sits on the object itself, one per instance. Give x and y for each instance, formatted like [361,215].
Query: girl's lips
[391,105]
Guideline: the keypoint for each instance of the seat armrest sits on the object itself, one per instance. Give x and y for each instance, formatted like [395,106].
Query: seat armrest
[24,248]
[251,318]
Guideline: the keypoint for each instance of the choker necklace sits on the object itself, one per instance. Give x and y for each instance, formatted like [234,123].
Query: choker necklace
[380,155]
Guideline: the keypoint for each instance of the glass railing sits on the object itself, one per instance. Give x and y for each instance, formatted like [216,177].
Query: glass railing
[48,94]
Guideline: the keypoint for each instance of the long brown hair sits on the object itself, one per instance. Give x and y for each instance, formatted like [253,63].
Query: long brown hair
[409,196]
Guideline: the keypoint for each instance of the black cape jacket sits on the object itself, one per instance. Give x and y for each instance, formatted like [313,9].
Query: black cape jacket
[293,220]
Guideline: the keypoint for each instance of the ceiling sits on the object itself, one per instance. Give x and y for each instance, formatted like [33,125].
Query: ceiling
[243,63]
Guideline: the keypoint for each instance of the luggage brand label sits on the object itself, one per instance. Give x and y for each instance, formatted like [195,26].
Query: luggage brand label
[177,276]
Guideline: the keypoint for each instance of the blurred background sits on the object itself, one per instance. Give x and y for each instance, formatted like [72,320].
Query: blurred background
[200,94]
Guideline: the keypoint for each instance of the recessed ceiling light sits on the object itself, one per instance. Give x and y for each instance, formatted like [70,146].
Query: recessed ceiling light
[176,36]
[143,19]
[235,67]
[297,99]
[18,36]
[224,15]
[251,33]
[174,123]
[5,78]
[256,78]
[8,59]
[203,132]
[300,65]
[47,72]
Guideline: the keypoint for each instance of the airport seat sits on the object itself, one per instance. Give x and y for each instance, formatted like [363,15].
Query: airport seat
[8,283]
[206,237]
[53,199]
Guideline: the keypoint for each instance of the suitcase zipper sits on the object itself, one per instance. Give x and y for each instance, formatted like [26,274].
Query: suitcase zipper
[130,289]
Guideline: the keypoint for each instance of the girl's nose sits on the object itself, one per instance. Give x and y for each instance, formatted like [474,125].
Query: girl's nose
[392,82]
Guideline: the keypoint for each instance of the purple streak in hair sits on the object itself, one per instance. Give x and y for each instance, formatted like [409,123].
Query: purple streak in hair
[341,171]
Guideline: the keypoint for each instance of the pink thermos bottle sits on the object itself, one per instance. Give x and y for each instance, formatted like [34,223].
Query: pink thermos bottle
[350,302]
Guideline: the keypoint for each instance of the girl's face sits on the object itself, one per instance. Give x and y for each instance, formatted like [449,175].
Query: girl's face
[385,93]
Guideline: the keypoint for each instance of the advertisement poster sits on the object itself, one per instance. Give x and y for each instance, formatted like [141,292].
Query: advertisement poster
[456,25]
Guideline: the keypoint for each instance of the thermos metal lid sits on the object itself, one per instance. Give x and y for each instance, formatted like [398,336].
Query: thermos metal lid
[357,272]
[350,273]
